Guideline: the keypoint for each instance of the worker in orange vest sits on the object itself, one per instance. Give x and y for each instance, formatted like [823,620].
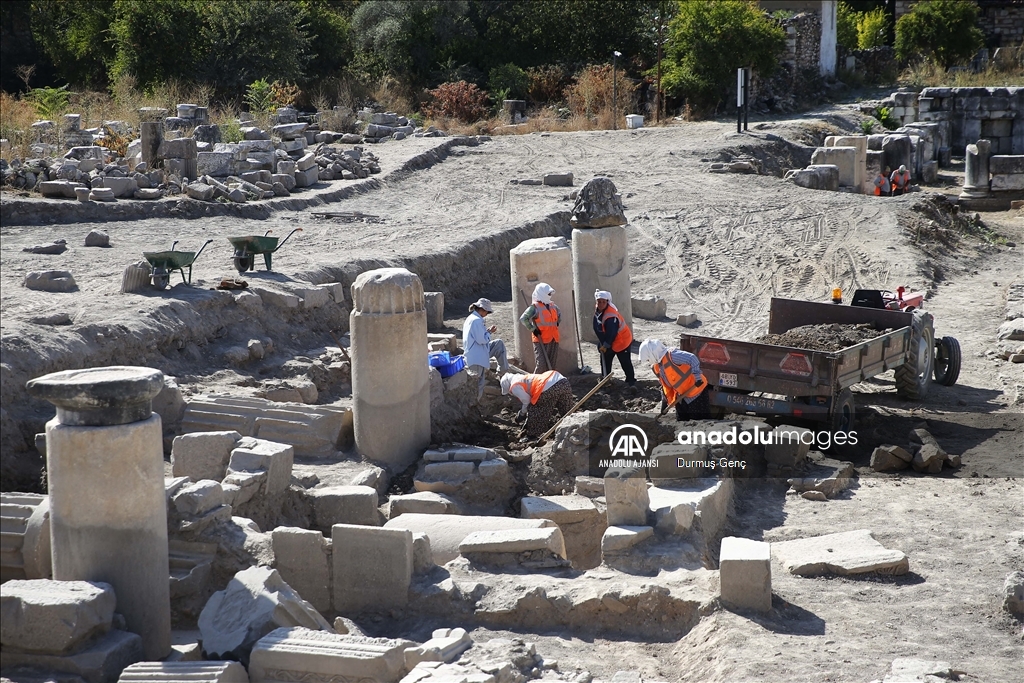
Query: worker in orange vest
[900,181]
[882,186]
[613,336]
[542,318]
[682,384]
[545,397]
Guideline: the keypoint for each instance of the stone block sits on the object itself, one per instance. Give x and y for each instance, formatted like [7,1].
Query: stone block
[1007,182]
[847,553]
[653,308]
[198,498]
[53,617]
[445,646]
[745,569]
[929,171]
[200,191]
[197,671]
[216,164]
[344,505]
[287,166]
[888,458]
[254,603]
[180,148]
[514,541]
[928,459]
[422,556]
[446,532]
[843,158]
[306,162]
[251,455]
[816,177]
[302,558]
[203,455]
[58,189]
[307,178]
[286,180]
[423,502]
[459,453]
[121,187]
[625,491]
[434,303]
[619,538]
[560,179]
[790,447]
[289,131]
[299,654]
[372,567]
[559,509]
[591,487]
[97,238]
[102,661]
[492,468]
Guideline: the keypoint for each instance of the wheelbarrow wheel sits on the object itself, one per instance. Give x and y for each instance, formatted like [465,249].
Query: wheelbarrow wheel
[161,278]
[243,262]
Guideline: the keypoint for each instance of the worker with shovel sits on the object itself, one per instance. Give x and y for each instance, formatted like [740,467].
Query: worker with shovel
[613,336]
[682,384]
[545,397]
[542,318]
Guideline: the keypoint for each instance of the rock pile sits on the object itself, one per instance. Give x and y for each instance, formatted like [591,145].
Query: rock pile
[923,453]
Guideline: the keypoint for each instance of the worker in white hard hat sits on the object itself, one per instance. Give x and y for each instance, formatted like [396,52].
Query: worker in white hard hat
[613,336]
[542,318]
[545,398]
[682,384]
[478,347]
[900,181]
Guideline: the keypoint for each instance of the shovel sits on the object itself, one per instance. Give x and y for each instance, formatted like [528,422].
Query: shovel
[547,434]
[585,370]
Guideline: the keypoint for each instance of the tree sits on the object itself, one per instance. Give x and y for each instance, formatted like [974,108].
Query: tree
[945,31]
[846,26]
[73,35]
[872,28]
[156,41]
[709,40]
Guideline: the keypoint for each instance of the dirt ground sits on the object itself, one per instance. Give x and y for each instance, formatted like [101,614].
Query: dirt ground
[718,245]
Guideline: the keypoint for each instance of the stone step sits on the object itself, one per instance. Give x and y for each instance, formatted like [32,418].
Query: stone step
[157,672]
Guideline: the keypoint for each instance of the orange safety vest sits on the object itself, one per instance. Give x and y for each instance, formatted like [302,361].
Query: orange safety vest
[900,181]
[535,384]
[677,380]
[546,320]
[624,337]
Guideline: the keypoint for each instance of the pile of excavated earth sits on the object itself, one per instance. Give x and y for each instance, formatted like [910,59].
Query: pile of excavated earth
[255,475]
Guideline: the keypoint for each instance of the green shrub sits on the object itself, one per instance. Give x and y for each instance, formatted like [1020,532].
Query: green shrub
[846,26]
[944,31]
[709,40]
[49,102]
[510,78]
[872,28]
[259,95]
[231,131]
[460,100]
[889,122]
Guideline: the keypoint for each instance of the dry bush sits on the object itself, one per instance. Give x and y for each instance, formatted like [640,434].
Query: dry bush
[591,95]
[927,74]
[462,101]
[391,95]
[16,119]
[546,83]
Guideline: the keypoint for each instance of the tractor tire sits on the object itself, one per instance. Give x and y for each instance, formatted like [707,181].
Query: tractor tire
[915,375]
[947,361]
[844,410]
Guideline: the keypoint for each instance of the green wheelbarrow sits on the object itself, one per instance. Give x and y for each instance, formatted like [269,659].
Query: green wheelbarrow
[246,249]
[164,262]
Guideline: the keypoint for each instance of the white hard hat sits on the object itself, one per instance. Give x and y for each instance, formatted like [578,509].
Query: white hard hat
[652,351]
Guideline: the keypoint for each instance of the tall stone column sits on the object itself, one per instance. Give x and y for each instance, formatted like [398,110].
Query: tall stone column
[976,170]
[105,472]
[600,252]
[600,260]
[545,259]
[390,381]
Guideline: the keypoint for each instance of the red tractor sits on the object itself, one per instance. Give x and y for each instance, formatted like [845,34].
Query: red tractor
[946,357]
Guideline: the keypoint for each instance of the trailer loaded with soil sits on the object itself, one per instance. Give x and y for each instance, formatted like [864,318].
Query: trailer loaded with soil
[814,352]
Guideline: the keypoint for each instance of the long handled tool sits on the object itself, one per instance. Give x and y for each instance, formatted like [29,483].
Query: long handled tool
[607,378]
[584,369]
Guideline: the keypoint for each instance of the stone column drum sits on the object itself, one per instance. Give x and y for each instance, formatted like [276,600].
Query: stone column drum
[546,259]
[105,472]
[390,380]
[976,169]
[600,260]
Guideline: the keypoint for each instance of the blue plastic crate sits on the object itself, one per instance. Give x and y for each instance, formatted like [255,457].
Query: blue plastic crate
[439,359]
[456,365]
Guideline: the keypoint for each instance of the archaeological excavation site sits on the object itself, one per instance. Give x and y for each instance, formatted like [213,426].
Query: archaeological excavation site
[671,403]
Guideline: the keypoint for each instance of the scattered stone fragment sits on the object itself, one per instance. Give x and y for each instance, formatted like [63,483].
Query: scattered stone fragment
[929,459]
[1013,593]
[58,247]
[51,281]
[53,617]
[198,671]
[746,573]
[888,458]
[102,194]
[907,670]
[97,238]
[847,553]
[302,654]
[597,205]
[686,319]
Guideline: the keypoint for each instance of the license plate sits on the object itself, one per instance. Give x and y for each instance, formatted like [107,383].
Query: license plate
[727,379]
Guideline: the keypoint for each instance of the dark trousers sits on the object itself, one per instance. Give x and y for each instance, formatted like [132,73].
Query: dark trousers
[896,192]
[697,409]
[542,353]
[624,360]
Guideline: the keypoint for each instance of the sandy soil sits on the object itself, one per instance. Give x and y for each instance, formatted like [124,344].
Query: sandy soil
[719,245]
